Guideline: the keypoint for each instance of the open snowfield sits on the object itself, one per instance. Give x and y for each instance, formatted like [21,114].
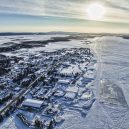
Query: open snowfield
[109,82]
[110,111]
[112,84]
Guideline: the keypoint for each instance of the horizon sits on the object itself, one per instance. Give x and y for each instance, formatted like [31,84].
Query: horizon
[61,32]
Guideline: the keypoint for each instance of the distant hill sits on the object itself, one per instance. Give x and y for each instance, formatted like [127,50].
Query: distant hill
[32,33]
[126,36]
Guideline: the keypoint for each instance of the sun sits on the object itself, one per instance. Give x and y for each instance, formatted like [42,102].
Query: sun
[95,11]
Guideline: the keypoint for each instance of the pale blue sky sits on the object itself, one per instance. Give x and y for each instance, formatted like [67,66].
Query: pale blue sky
[62,15]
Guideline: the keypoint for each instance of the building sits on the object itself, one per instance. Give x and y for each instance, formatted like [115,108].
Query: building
[70,95]
[64,81]
[73,89]
[71,92]
[32,103]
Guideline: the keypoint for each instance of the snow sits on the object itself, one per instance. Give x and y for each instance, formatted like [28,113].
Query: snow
[73,89]
[59,93]
[113,60]
[64,81]
[71,69]
[112,65]
[112,68]
[17,89]
[70,95]
[50,47]
[8,40]
[9,124]
[32,103]
[86,96]
[16,39]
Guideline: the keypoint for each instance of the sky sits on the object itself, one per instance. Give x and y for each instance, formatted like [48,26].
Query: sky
[62,15]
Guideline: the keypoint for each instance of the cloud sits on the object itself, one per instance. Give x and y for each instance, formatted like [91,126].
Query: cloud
[117,10]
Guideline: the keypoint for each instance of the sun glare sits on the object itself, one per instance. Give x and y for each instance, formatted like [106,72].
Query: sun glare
[95,11]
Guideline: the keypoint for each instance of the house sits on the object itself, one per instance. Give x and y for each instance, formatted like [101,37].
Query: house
[59,93]
[64,81]
[71,92]
[17,89]
[73,89]
[32,103]
[70,95]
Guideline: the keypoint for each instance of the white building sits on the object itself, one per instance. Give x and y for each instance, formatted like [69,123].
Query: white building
[64,81]
[71,92]
[73,89]
[32,103]
[70,95]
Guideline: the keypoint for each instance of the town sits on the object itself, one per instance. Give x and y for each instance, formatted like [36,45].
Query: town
[37,88]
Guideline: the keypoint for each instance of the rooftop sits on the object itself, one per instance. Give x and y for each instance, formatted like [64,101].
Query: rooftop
[32,103]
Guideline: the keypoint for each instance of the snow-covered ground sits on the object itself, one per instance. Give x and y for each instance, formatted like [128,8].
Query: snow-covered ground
[59,45]
[110,85]
[110,110]
[19,38]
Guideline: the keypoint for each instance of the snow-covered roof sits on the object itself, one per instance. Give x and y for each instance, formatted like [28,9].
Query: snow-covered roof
[64,81]
[17,88]
[72,89]
[70,95]
[86,95]
[71,69]
[32,103]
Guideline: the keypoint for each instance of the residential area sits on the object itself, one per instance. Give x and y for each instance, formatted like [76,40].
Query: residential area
[38,88]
